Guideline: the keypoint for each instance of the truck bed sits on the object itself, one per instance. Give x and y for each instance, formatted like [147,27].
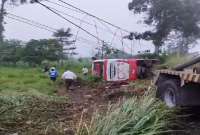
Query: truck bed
[185,76]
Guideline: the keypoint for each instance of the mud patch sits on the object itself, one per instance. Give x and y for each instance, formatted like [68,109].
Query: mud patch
[88,100]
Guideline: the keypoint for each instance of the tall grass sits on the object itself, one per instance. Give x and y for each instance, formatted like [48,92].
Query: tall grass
[25,80]
[144,116]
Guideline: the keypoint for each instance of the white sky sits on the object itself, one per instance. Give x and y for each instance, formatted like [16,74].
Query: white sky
[114,11]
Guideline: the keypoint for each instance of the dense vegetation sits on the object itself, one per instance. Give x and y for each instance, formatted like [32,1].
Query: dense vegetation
[35,52]
[25,80]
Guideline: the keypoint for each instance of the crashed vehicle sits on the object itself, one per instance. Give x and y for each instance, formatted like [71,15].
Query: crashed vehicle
[118,70]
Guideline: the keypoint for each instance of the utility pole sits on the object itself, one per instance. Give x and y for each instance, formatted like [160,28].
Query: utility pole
[102,50]
[131,47]
[131,38]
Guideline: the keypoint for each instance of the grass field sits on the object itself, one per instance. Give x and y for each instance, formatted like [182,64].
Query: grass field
[25,80]
[29,91]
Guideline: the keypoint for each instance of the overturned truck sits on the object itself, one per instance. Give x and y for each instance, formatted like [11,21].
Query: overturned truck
[120,70]
[180,86]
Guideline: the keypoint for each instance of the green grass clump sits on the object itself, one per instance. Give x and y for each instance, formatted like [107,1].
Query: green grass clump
[25,80]
[144,116]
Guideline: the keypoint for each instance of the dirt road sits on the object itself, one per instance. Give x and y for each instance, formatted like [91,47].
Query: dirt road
[89,100]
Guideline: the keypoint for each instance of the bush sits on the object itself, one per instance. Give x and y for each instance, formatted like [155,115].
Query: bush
[161,57]
[93,79]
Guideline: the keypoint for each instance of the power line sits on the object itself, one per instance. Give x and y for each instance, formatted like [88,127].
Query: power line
[100,20]
[79,38]
[109,30]
[38,25]
[63,6]
[83,21]
[94,16]
[31,21]
[96,37]
[47,7]
[16,19]
[76,18]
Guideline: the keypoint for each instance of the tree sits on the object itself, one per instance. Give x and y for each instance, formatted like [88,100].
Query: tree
[63,37]
[37,51]
[109,52]
[3,13]
[11,51]
[166,16]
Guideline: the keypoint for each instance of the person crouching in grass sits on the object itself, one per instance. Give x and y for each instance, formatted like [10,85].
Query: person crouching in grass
[69,78]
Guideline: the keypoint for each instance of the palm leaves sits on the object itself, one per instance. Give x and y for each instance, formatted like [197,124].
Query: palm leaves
[63,33]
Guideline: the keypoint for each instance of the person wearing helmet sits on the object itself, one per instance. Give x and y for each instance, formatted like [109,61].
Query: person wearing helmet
[53,74]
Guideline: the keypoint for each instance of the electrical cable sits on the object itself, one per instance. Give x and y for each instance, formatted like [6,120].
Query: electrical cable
[94,16]
[55,3]
[29,23]
[87,41]
[34,22]
[47,7]
[76,18]
[86,22]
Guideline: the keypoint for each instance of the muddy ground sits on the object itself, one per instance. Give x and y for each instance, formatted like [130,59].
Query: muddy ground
[83,102]
[42,117]
[86,101]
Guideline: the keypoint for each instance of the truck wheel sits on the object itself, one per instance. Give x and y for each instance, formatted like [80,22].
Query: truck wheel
[168,92]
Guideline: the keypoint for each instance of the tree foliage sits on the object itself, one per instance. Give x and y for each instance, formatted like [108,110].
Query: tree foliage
[167,16]
[63,37]
[107,51]
[37,51]
[33,52]
[10,51]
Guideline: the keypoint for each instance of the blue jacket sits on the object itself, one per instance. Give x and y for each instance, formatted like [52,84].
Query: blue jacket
[53,73]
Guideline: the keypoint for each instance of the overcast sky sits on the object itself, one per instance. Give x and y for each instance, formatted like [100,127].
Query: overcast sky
[114,11]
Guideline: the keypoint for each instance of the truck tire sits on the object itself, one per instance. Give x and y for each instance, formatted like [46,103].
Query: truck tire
[168,92]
